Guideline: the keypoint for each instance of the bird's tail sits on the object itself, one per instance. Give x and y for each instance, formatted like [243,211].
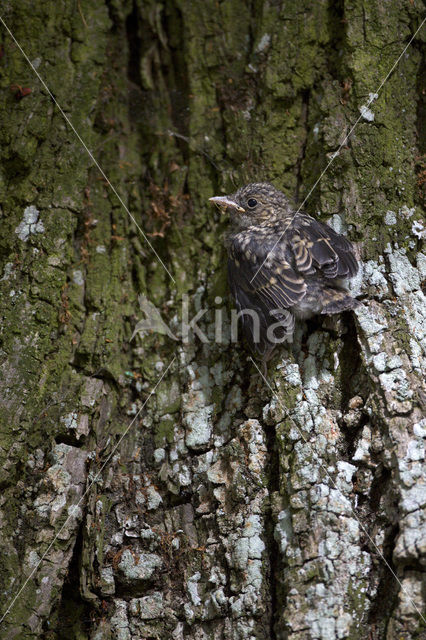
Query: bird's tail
[335,301]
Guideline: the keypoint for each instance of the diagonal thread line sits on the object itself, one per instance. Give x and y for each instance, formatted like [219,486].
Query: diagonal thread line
[373,97]
[90,154]
[95,479]
[322,465]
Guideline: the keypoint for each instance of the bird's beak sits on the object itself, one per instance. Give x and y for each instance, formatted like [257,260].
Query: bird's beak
[224,201]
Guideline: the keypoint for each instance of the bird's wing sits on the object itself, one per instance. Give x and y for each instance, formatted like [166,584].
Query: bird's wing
[263,272]
[265,288]
[317,247]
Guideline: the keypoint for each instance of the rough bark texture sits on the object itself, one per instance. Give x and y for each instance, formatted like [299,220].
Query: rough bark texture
[228,511]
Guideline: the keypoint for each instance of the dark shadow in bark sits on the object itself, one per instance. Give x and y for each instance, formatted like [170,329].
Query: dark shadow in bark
[386,598]
[73,617]
[275,564]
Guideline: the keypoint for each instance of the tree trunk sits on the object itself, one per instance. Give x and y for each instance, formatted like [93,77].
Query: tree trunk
[155,487]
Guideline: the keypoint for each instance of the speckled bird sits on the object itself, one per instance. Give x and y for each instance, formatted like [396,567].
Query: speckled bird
[282,265]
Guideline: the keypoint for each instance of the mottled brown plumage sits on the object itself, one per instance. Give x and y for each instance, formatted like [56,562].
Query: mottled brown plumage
[282,265]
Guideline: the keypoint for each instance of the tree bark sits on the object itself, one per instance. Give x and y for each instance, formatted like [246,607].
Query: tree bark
[155,486]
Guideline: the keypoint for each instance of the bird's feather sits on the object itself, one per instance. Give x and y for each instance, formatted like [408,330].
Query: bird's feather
[269,290]
[263,271]
[270,271]
[317,247]
[282,264]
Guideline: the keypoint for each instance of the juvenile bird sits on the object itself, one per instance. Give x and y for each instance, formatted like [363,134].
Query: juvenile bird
[282,265]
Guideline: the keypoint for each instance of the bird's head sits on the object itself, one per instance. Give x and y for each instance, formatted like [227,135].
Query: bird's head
[255,204]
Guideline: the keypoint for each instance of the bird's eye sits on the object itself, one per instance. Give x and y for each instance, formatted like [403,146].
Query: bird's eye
[252,202]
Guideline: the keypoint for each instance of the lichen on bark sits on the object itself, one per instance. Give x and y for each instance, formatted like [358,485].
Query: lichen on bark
[229,509]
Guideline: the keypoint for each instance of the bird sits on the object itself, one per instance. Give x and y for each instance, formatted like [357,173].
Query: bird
[283,265]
